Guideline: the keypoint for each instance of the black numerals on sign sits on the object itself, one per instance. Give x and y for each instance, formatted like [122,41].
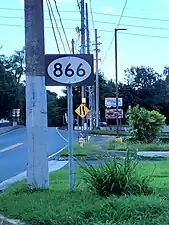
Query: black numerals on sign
[58,72]
[68,71]
[80,71]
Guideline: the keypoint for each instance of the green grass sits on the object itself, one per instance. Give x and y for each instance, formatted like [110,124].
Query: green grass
[78,151]
[58,207]
[111,145]
[162,136]
[109,132]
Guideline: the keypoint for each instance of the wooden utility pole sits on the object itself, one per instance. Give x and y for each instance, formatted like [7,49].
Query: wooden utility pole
[36,103]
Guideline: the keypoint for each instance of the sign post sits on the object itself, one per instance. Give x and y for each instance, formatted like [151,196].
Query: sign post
[70,137]
[70,70]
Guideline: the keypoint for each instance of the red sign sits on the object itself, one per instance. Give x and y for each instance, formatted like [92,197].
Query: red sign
[110,114]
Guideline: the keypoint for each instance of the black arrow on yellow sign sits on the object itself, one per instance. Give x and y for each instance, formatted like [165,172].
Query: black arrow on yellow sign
[82,111]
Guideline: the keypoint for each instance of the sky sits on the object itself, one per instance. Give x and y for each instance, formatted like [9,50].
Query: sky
[146,41]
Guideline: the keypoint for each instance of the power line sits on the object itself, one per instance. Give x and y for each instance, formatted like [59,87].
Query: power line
[145,35]
[122,13]
[62,25]
[103,22]
[131,9]
[50,16]
[111,42]
[98,13]
[134,17]
[22,18]
[57,26]
[101,30]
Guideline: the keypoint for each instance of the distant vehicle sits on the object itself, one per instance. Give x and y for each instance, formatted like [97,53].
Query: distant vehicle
[4,123]
[103,124]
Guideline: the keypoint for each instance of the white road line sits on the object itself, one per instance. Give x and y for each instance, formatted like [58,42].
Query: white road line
[10,147]
[56,153]
[61,135]
[8,132]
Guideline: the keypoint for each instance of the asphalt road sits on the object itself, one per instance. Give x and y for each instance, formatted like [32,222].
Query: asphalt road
[13,150]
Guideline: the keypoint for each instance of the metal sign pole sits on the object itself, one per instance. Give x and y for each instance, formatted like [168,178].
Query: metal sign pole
[70,70]
[70,137]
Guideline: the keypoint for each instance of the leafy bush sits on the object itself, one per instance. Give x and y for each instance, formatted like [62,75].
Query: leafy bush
[115,178]
[145,125]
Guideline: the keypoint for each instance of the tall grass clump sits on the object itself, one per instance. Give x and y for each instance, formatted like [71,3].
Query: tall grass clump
[116,178]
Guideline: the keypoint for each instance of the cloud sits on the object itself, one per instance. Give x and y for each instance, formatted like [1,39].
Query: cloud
[107,10]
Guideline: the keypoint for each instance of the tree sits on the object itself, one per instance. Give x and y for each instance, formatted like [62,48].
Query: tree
[15,64]
[141,77]
[56,109]
[12,90]
[145,125]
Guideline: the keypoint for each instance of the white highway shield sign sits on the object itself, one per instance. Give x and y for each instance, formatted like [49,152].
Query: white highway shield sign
[63,70]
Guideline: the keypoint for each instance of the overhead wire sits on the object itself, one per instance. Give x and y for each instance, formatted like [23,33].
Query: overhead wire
[50,16]
[122,13]
[132,9]
[112,40]
[101,30]
[96,21]
[104,14]
[62,25]
[57,26]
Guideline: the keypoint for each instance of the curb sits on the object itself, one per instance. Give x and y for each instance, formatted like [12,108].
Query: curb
[6,221]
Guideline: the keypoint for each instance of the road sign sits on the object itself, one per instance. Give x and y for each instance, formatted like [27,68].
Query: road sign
[82,111]
[63,70]
[16,112]
[111,102]
[110,114]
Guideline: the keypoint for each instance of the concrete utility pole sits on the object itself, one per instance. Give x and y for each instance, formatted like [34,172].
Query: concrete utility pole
[87,30]
[88,52]
[36,103]
[83,37]
[97,80]
[116,75]
[83,94]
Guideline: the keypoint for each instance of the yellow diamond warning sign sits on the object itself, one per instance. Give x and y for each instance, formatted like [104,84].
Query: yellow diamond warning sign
[82,111]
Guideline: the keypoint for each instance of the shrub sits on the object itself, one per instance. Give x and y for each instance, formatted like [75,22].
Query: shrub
[115,178]
[145,125]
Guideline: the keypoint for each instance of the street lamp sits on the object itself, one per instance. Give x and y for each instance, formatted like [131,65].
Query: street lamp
[116,72]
